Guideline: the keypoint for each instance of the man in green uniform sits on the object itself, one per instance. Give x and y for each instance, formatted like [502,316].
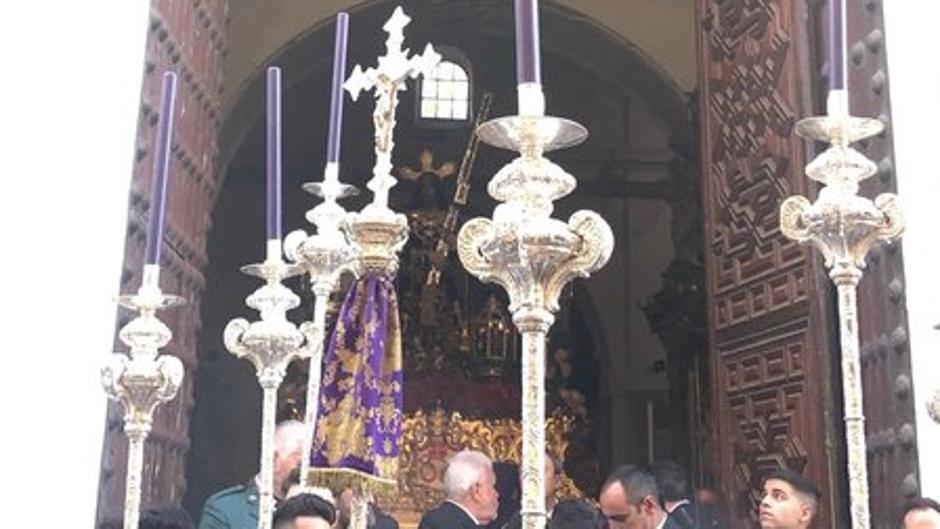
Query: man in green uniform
[237,507]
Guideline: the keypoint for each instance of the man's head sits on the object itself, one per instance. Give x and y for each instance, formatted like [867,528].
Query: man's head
[470,481]
[288,450]
[304,511]
[920,513]
[672,481]
[630,499]
[575,514]
[790,501]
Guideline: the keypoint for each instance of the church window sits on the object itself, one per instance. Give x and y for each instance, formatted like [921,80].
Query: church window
[445,94]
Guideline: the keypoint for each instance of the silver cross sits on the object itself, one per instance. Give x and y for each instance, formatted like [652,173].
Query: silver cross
[387,79]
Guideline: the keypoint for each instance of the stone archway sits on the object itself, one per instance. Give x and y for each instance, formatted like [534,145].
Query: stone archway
[614,67]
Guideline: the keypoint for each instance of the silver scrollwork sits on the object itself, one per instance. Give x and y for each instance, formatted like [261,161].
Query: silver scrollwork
[141,380]
[270,344]
[533,256]
[844,227]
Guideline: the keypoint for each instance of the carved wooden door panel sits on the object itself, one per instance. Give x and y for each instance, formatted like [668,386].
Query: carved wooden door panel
[771,332]
[186,36]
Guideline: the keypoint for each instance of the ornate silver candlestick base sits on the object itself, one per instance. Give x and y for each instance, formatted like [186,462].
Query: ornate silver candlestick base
[844,226]
[377,239]
[533,256]
[270,343]
[141,380]
[933,406]
[324,256]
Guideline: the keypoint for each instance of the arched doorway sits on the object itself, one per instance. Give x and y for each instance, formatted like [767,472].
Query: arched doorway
[633,169]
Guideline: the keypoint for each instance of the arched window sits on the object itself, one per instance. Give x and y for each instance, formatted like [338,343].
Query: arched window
[445,94]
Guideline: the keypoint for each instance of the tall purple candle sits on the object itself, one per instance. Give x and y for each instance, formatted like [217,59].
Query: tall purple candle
[528,67]
[836,44]
[161,169]
[336,89]
[274,154]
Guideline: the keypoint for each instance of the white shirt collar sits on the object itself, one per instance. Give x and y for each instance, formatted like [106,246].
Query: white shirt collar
[678,504]
[464,509]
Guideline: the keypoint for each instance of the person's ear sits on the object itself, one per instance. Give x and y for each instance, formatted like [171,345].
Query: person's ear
[475,490]
[806,512]
[648,505]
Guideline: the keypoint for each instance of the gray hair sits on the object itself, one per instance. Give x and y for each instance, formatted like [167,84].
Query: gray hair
[288,437]
[464,470]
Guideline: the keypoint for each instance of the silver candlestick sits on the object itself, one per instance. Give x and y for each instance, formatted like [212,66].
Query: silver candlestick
[270,343]
[844,226]
[142,380]
[324,256]
[933,406]
[533,256]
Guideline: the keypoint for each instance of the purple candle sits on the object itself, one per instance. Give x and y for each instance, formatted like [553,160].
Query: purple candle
[274,154]
[161,169]
[836,44]
[528,67]
[336,89]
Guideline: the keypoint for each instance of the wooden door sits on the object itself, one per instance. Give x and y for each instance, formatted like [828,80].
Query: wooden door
[771,332]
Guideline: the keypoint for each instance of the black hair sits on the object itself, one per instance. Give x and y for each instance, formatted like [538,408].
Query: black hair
[169,518]
[916,504]
[637,483]
[575,514]
[672,480]
[799,482]
[304,505]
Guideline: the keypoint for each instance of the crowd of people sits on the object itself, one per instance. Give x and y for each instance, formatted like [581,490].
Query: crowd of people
[632,497]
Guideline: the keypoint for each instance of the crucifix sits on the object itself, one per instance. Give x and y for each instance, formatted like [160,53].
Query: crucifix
[387,79]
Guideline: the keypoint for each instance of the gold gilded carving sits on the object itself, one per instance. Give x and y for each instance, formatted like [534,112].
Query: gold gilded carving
[430,438]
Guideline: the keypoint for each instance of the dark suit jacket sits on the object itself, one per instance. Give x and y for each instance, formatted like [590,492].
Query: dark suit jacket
[446,516]
[671,523]
[232,508]
[695,516]
[382,520]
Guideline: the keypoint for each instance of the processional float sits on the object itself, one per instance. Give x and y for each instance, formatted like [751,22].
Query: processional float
[844,226]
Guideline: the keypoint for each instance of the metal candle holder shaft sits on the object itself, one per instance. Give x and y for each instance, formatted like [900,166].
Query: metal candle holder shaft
[844,226]
[533,256]
[141,380]
[324,256]
[270,343]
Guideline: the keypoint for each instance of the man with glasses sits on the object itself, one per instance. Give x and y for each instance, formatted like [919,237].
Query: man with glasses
[630,499]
